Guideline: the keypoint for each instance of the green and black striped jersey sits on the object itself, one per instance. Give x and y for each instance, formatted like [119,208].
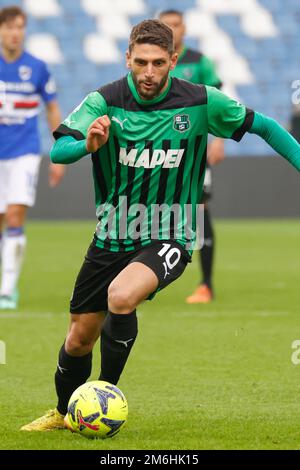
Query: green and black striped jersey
[196,68]
[148,177]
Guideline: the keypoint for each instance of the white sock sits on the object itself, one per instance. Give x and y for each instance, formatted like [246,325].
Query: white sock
[13,249]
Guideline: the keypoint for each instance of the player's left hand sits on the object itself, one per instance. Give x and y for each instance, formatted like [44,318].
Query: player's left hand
[98,133]
[215,152]
[56,174]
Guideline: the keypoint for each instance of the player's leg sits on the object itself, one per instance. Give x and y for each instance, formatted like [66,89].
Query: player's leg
[13,250]
[204,292]
[21,189]
[73,368]
[90,294]
[2,215]
[88,304]
[152,269]
[88,307]
[207,251]
[3,204]
[133,285]
[75,357]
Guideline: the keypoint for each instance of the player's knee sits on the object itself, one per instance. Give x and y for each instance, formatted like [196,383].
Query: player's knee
[120,300]
[78,344]
[15,216]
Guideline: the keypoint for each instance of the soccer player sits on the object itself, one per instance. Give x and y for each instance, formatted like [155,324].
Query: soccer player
[197,68]
[295,122]
[24,81]
[147,134]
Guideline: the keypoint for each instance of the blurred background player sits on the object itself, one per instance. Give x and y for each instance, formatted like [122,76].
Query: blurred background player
[195,67]
[295,122]
[24,80]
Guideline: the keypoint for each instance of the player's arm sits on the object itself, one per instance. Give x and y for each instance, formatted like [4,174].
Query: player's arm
[84,131]
[56,172]
[69,150]
[230,119]
[47,90]
[53,114]
[277,137]
[98,133]
[215,151]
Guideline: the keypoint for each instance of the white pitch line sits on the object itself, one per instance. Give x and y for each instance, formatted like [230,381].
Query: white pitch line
[226,314]
[24,315]
[193,314]
[271,314]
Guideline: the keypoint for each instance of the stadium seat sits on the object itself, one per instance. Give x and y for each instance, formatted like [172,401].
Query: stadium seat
[242,74]
[100,49]
[42,8]
[229,7]
[6,3]
[200,24]
[46,47]
[114,26]
[128,7]
[258,23]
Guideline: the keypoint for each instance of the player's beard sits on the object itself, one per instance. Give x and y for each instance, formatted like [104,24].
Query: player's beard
[153,91]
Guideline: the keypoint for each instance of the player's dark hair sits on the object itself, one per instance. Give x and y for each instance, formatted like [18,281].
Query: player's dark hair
[152,32]
[10,13]
[169,12]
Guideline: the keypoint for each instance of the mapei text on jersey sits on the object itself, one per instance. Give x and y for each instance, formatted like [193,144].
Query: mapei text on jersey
[167,159]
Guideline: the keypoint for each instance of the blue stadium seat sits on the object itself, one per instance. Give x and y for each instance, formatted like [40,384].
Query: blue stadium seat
[8,3]
[230,24]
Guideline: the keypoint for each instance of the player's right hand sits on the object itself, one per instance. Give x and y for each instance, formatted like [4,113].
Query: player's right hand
[98,133]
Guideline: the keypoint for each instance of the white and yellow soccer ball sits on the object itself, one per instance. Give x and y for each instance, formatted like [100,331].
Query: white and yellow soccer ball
[97,409]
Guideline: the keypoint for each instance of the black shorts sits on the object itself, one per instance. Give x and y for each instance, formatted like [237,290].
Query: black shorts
[166,258]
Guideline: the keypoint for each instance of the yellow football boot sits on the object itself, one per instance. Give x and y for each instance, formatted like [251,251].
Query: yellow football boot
[50,421]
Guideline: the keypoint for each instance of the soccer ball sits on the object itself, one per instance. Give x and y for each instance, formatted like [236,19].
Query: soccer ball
[97,409]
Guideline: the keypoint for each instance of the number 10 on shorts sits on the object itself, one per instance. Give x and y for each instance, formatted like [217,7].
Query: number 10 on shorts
[172,257]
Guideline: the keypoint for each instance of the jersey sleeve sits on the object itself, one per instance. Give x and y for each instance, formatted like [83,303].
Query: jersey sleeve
[226,117]
[78,122]
[47,85]
[208,73]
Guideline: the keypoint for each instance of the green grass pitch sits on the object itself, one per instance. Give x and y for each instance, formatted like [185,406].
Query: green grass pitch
[199,377]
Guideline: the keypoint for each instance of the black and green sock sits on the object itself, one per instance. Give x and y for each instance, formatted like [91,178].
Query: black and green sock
[71,372]
[117,338]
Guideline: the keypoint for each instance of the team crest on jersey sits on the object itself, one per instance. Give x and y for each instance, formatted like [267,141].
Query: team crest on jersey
[25,72]
[181,122]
